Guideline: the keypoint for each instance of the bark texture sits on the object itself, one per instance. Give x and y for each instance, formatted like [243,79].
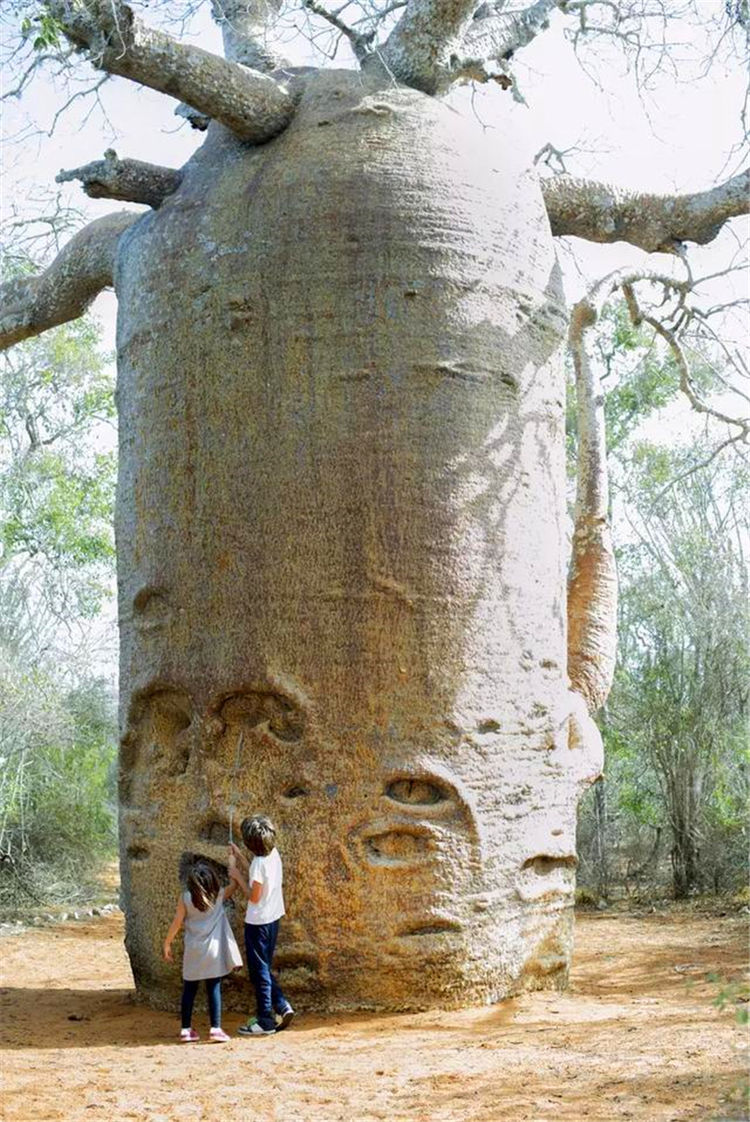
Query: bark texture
[419,48]
[253,105]
[246,26]
[497,31]
[656,223]
[64,291]
[342,554]
[592,584]
[127,180]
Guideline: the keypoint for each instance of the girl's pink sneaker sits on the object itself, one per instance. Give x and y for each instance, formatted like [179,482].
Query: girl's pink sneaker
[218,1036]
[188,1036]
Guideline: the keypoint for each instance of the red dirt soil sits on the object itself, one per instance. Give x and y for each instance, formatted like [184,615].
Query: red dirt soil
[635,1037]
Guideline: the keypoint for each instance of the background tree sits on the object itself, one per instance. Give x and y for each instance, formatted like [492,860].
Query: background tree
[675,725]
[57,718]
[341,520]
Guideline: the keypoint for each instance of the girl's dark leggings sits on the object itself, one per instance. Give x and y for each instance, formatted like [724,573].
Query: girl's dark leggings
[213,994]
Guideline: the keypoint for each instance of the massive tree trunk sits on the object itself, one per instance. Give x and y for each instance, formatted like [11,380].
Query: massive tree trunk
[341,533]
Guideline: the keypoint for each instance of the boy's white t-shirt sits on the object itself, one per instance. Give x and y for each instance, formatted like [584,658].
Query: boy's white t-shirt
[268,872]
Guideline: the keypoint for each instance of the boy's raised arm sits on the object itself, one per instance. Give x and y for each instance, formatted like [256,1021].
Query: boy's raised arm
[237,876]
[242,862]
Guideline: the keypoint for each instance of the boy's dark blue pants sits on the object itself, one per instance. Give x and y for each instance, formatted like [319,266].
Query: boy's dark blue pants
[260,944]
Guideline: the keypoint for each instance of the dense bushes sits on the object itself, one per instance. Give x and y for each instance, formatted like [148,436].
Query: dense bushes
[57,791]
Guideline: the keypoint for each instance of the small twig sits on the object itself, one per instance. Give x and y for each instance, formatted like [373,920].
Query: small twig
[360,42]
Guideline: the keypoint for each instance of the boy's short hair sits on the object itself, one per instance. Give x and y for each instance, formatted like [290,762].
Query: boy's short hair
[259,834]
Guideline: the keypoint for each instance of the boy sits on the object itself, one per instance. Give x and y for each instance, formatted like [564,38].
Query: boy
[261,882]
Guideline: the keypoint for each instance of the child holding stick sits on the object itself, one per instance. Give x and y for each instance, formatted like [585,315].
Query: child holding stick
[261,882]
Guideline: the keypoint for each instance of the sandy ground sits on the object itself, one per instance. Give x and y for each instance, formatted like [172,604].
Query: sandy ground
[635,1037]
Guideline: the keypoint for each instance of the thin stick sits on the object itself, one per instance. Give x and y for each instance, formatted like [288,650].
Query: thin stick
[230,808]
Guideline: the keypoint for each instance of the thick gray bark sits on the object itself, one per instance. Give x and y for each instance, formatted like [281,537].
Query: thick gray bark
[245,28]
[127,180]
[657,223]
[64,291]
[253,106]
[438,42]
[419,49]
[498,30]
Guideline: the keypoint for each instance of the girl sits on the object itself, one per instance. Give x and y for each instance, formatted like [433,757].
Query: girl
[210,950]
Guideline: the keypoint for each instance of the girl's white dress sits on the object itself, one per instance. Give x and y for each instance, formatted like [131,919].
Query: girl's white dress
[210,948]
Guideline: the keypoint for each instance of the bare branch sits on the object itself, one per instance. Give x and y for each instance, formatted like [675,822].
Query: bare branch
[252,105]
[418,50]
[657,223]
[495,34]
[686,383]
[360,41]
[127,180]
[592,581]
[31,305]
[244,28]
[730,440]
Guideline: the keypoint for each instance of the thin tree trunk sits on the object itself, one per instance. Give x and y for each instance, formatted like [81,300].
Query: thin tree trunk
[600,839]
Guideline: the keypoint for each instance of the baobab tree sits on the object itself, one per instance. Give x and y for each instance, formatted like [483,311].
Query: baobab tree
[341,521]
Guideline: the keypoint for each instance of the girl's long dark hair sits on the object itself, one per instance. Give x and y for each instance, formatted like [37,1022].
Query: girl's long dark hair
[203,884]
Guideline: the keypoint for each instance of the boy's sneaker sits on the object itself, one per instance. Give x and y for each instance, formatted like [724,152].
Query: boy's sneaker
[218,1036]
[254,1028]
[188,1036]
[285,1018]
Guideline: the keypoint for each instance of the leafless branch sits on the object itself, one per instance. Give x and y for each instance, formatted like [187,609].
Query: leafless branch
[127,180]
[360,42]
[30,305]
[252,105]
[656,223]
[245,27]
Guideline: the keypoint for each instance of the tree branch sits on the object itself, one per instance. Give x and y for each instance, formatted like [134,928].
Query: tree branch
[360,41]
[418,50]
[657,223]
[128,180]
[31,305]
[244,28]
[252,105]
[494,35]
[686,384]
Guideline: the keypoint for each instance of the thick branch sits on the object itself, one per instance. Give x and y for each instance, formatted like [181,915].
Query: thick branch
[254,106]
[244,28]
[31,305]
[494,35]
[419,48]
[592,582]
[128,180]
[656,223]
